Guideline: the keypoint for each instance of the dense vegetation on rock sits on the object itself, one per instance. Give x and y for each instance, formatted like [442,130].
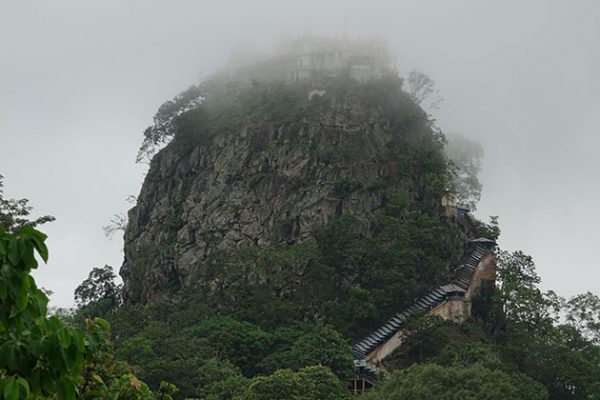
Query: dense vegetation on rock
[263,169]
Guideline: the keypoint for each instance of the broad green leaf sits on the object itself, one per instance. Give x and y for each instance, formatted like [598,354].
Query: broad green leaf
[66,389]
[41,301]
[54,323]
[64,339]
[25,385]
[13,252]
[21,300]
[38,239]
[97,377]
[42,250]
[48,384]
[26,250]
[79,340]
[35,379]
[3,291]
[103,323]
[10,389]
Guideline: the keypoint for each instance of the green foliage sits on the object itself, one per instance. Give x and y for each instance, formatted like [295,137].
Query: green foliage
[342,277]
[320,383]
[421,87]
[517,331]
[377,264]
[144,255]
[524,303]
[164,126]
[280,356]
[434,382]
[224,350]
[37,354]
[14,214]
[220,380]
[488,309]
[310,383]
[194,356]
[563,357]
[395,203]
[489,230]
[98,291]
[200,113]
[583,313]
[239,342]
[443,342]
[105,378]
[344,188]
[42,358]
[257,179]
[323,346]
[375,185]
[465,155]
[348,280]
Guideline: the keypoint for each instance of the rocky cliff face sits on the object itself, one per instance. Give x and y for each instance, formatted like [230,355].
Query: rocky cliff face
[271,178]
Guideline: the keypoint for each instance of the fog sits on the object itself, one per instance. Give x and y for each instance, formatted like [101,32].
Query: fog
[80,80]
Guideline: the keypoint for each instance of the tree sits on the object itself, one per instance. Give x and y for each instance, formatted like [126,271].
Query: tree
[310,383]
[524,303]
[420,87]
[99,286]
[164,127]
[321,384]
[105,378]
[434,382]
[562,357]
[117,223]
[242,343]
[324,346]
[220,380]
[433,339]
[465,155]
[14,214]
[490,230]
[583,313]
[41,357]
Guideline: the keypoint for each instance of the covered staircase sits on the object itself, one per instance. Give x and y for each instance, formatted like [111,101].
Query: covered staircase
[369,352]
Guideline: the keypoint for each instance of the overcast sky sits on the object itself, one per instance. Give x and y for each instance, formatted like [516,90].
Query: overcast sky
[80,80]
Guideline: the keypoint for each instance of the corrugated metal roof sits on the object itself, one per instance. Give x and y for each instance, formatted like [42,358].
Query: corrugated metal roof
[451,287]
[483,240]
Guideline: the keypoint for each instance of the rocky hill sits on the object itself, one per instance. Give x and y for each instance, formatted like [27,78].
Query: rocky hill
[268,165]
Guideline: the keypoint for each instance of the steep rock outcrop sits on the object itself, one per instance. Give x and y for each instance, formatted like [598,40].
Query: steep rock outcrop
[271,178]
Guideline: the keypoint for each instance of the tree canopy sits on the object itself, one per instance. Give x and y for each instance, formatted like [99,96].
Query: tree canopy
[466,156]
[40,356]
[434,382]
[15,213]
